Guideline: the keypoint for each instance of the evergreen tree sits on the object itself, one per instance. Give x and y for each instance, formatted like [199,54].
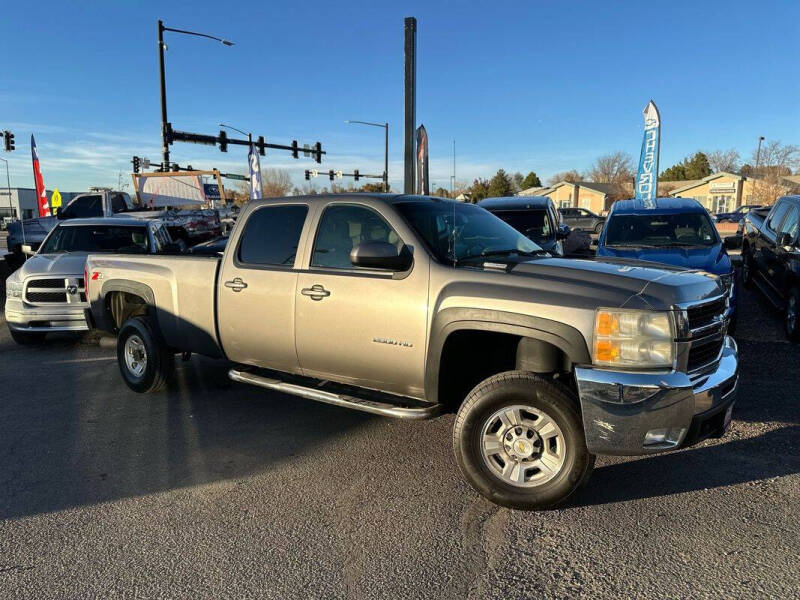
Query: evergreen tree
[501,185]
[531,180]
[479,190]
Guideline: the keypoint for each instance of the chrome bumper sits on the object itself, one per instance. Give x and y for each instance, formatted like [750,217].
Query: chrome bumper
[630,413]
[21,318]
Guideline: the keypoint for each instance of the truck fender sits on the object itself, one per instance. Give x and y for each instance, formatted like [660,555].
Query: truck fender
[100,310]
[564,337]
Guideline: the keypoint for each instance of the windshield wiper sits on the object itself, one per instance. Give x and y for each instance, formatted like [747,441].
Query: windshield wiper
[500,253]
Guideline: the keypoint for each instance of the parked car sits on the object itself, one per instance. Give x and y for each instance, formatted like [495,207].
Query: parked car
[535,217]
[771,258]
[583,219]
[735,216]
[47,293]
[407,306]
[678,231]
[192,226]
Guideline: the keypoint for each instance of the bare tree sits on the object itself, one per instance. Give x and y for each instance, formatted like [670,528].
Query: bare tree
[723,160]
[777,157]
[572,176]
[275,183]
[616,168]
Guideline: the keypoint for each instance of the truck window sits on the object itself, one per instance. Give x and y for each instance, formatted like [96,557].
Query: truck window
[85,207]
[271,235]
[117,203]
[777,215]
[789,224]
[342,228]
[534,224]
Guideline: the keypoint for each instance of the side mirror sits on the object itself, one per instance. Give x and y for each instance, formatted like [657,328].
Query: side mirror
[26,249]
[785,240]
[381,255]
[563,231]
[732,242]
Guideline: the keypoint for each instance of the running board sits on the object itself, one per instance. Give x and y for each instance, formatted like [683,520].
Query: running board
[385,409]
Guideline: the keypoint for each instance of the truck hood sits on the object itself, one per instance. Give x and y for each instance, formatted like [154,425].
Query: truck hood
[713,259]
[619,282]
[68,265]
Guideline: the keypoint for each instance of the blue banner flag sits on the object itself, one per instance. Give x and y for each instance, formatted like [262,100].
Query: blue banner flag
[647,175]
[255,173]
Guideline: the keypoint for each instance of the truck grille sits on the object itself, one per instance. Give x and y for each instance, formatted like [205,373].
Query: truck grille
[55,291]
[703,353]
[703,315]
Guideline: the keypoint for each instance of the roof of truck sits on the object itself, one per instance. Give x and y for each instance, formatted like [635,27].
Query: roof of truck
[515,202]
[663,205]
[123,221]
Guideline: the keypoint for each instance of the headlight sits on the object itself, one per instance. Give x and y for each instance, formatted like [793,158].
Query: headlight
[727,281]
[13,289]
[633,338]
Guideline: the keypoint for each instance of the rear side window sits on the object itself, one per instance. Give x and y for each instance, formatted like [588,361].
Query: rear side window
[789,225]
[777,215]
[271,235]
[86,207]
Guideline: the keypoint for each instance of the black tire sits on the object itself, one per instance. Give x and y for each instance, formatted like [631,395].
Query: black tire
[598,228]
[792,315]
[27,338]
[159,360]
[515,388]
[747,269]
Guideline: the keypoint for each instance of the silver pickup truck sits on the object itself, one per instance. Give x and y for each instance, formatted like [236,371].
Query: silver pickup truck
[408,306]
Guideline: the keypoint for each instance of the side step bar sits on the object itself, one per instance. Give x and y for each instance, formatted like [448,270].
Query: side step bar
[385,409]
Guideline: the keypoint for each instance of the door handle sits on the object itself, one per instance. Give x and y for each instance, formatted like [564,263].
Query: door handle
[237,285]
[316,291]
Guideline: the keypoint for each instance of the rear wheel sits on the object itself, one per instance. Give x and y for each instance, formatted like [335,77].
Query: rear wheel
[747,268]
[598,228]
[519,441]
[145,362]
[792,318]
[27,338]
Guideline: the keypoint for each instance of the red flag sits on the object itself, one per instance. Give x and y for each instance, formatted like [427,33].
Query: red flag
[41,193]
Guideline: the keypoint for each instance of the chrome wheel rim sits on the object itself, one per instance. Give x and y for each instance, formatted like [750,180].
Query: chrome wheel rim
[135,355]
[523,446]
[791,314]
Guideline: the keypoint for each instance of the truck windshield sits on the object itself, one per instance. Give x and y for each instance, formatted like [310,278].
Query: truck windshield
[533,224]
[97,238]
[457,232]
[661,230]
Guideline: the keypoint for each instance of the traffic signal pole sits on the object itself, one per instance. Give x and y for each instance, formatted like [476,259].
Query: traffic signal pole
[162,78]
[410,102]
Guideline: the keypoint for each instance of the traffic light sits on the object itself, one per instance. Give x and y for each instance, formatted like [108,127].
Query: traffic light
[136,164]
[175,167]
[331,174]
[318,152]
[223,141]
[356,175]
[294,149]
[9,141]
[260,145]
[308,175]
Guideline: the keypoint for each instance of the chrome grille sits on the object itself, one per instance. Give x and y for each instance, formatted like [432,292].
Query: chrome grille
[702,315]
[51,291]
[703,353]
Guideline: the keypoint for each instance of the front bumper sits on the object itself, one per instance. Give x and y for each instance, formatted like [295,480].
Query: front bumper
[23,318]
[632,413]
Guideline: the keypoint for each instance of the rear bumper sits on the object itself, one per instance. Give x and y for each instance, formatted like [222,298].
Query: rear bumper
[629,413]
[20,318]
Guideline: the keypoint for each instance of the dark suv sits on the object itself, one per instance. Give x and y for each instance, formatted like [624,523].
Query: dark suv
[583,219]
[535,217]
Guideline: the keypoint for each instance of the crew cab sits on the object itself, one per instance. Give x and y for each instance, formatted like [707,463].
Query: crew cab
[678,231]
[46,294]
[410,306]
[533,216]
[771,258]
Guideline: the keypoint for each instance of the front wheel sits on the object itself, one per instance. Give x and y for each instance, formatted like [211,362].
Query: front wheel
[598,228]
[519,441]
[145,362]
[792,318]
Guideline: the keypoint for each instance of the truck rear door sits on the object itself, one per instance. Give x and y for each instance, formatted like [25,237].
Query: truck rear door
[256,289]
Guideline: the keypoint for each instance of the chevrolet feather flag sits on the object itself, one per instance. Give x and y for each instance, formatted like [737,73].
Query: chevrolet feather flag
[255,173]
[647,175]
[41,193]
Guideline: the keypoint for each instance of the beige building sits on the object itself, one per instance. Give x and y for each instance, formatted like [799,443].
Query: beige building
[724,192]
[597,197]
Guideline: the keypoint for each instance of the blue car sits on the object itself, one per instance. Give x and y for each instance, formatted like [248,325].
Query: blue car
[735,216]
[678,231]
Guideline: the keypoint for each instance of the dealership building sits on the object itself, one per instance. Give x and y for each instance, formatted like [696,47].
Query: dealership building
[21,202]
[724,192]
[597,197]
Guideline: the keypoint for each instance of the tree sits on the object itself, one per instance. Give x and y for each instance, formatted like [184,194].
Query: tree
[372,187]
[275,183]
[723,160]
[531,180]
[616,168]
[441,192]
[479,190]
[674,173]
[777,157]
[691,167]
[516,180]
[501,185]
[571,176]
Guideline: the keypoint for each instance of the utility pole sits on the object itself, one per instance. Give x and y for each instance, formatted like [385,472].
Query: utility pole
[410,102]
[386,149]
[8,183]
[758,161]
[453,181]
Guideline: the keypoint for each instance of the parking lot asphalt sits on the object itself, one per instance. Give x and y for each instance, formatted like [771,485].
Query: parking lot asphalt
[213,489]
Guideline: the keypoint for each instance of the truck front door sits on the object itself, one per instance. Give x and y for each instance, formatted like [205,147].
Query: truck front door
[256,288]
[361,326]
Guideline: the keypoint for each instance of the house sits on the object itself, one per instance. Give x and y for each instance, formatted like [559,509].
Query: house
[597,197]
[724,192]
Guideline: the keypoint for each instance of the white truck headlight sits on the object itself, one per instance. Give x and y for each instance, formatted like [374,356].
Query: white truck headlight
[633,338]
[13,289]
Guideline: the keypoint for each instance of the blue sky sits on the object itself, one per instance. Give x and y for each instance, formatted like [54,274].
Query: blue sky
[538,85]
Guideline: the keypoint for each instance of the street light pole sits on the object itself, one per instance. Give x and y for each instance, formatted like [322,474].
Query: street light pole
[386,149]
[8,183]
[162,77]
[758,160]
